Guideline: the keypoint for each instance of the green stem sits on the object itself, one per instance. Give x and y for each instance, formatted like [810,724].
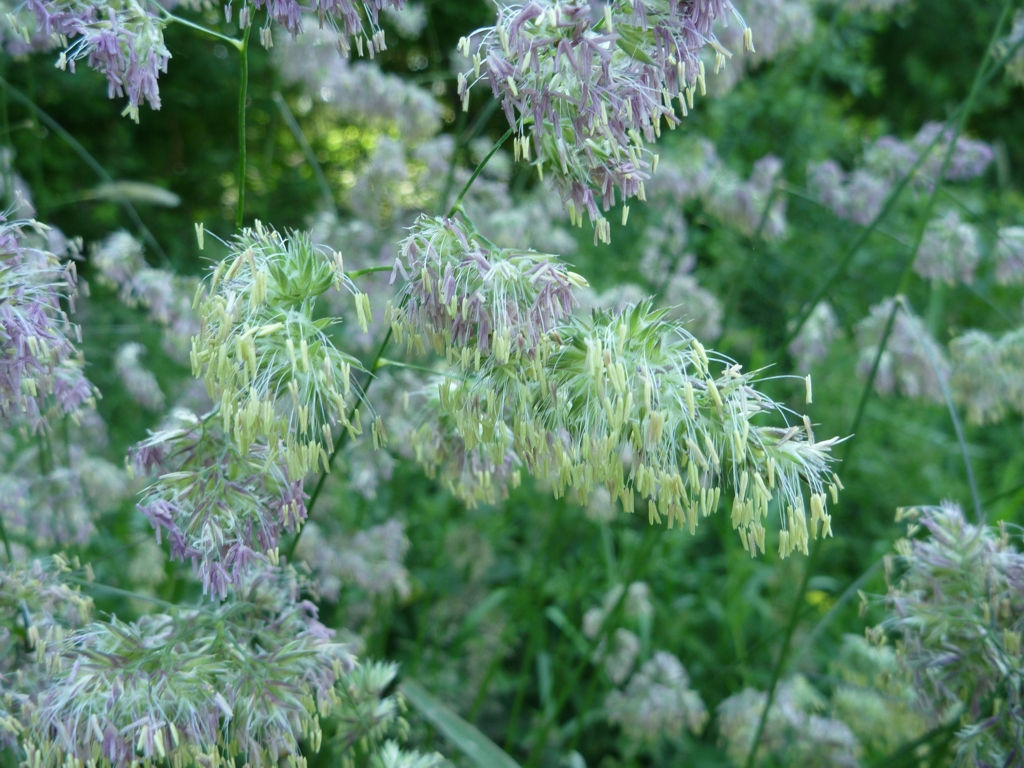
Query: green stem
[242,96]
[7,542]
[368,271]
[311,161]
[237,44]
[609,625]
[794,619]
[957,425]
[936,303]
[5,138]
[477,171]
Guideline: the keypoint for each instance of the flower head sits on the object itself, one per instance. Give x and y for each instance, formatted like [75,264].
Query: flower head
[794,732]
[857,196]
[138,380]
[223,509]
[266,355]
[470,298]
[986,374]
[629,401]
[812,344]
[40,368]
[1009,256]
[251,677]
[957,607]
[585,96]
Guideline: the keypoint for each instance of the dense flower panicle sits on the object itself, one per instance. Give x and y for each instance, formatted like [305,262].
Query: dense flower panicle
[38,594]
[121,40]
[893,158]
[957,608]
[471,299]
[912,363]
[356,19]
[742,203]
[266,358]
[251,678]
[357,91]
[625,645]
[987,374]
[950,250]
[857,196]
[136,378]
[124,40]
[628,401]
[409,21]
[585,98]
[51,492]
[166,297]
[221,508]
[371,560]
[794,733]
[40,368]
[473,471]
[1009,256]
[812,343]
[37,609]
[657,703]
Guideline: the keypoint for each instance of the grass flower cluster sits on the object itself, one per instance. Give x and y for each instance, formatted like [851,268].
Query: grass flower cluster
[586,95]
[957,605]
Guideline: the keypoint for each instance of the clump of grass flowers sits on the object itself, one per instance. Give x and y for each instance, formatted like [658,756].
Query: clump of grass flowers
[124,39]
[627,400]
[585,97]
[37,610]
[223,509]
[41,374]
[250,678]
[265,354]
[956,596]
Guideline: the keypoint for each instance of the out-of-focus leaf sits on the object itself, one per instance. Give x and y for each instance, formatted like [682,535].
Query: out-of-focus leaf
[135,192]
[465,736]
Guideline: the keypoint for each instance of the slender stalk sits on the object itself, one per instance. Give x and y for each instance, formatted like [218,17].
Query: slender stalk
[88,159]
[963,113]
[234,42]
[311,161]
[7,543]
[477,171]
[368,271]
[787,640]
[243,92]
[609,625]
[5,139]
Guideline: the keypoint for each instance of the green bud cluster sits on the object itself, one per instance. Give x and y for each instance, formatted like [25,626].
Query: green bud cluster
[266,356]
